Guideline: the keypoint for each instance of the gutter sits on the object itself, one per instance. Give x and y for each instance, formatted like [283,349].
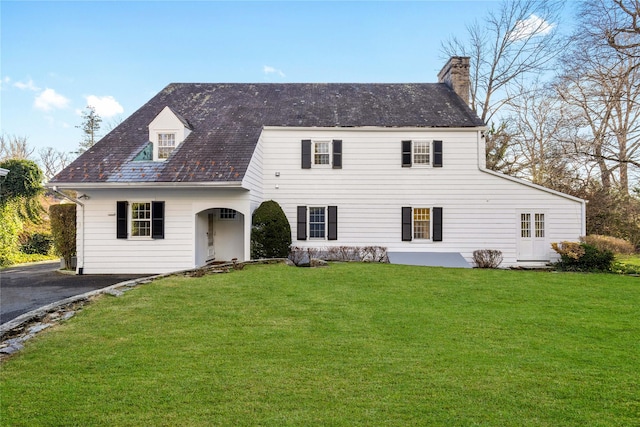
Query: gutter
[150,184]
[54,188]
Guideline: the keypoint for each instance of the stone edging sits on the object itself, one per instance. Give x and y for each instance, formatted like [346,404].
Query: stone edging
[24,327]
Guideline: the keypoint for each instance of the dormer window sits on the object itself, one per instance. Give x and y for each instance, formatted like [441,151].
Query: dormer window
[166,132]
[166,144]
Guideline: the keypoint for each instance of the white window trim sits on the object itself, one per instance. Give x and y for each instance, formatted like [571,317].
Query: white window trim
[329,153]
[429,145]
[413,225]
[130,220]
[157,144]
[326,222]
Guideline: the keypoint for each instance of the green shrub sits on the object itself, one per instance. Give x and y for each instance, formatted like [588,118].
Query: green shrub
[270,232]
[11,225]
[583,257]
[37,243]
[23,180]
[609,243]
[63,230]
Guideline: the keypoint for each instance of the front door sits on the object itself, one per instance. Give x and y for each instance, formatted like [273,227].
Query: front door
[532,243]
[211,253]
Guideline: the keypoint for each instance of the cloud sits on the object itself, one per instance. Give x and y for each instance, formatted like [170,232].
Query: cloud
[532,26]
[29,85]
[5,81]
[267,69]
[105,106]
[49,100]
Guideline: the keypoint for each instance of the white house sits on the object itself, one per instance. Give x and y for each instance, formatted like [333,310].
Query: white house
[394,165]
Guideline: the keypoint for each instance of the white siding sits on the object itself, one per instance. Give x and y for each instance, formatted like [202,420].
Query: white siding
[104,253]
[480,210]
[253,177]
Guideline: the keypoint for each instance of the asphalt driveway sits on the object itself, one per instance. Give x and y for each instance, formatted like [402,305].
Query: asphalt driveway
[25,288]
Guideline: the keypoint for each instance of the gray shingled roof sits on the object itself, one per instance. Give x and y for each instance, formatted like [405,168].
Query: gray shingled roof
[227,119]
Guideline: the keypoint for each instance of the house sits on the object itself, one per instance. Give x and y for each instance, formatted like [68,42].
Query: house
[395,165]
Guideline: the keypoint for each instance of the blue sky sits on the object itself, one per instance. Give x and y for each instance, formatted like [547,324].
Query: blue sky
[57,57]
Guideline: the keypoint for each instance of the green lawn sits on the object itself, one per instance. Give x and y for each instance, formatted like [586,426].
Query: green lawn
[347,345]
[629,259]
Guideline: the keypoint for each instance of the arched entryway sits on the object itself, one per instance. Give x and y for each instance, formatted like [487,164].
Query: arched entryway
[219,235]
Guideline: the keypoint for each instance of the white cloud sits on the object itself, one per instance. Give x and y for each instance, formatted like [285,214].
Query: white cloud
[5,81]
[532,26]
[105,106]
[49,100]
[29,85]
[267,69]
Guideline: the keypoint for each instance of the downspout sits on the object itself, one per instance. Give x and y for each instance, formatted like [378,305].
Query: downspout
[80,268]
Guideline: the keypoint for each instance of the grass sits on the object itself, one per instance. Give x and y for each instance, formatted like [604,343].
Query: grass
[347,345]
[629,259]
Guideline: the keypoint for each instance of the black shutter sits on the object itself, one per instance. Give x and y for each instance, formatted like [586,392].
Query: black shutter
[437,154]
[406,154]
[437,224]
[121,220]
[337,154]
[332,233]
[406,224]
[306,154]
[302,223]
[157,220]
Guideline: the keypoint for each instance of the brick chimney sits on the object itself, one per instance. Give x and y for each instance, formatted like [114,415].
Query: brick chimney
[455,74]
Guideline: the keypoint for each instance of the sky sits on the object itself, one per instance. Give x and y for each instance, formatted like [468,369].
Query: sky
[58,57]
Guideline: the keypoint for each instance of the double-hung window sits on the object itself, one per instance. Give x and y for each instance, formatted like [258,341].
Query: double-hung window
[421,224]
[321,154]
[317,222]
[166,144]
[421,153]
[140,219]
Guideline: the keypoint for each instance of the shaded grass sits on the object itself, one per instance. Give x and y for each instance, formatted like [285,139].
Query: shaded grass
[352,344]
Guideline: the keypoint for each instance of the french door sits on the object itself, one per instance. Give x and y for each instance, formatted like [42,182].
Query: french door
[532,241]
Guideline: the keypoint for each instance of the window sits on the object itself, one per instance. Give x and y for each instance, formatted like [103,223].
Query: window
[539,217]
[321,222]
[141,219]
[166,144]
[316,223]
[525,225]
[227,213]
[421,223]
[421,152]
[144,219]
[321,154]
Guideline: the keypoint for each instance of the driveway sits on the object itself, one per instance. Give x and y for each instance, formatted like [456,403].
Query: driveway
[25,288]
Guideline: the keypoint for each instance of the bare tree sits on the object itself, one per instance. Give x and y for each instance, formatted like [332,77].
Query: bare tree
[53,161]
[113,123]
[14,147]
[617,22]
[519,40]
[602,88]
[539,130]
